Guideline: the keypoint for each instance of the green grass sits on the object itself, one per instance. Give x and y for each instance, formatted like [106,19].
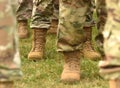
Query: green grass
[46,73]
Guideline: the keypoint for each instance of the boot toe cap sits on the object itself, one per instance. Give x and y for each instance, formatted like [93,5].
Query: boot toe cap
[70,77]
[35,56]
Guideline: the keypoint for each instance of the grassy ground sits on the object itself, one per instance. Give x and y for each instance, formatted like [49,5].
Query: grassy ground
[46,73]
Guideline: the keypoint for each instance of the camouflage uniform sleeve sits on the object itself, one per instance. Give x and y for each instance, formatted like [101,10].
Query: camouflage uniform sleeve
[9,55]
[110,66]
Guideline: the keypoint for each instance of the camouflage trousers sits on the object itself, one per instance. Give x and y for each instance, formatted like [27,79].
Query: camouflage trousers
[9,54]
[42,10]
[26,8]
[110,66]
[41,14]
[101,20]
[73,17]
[31,9]
[89,22]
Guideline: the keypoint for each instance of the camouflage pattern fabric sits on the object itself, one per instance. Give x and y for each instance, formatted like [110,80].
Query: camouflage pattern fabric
[55,16]
[24,10]
[41,14]
[72,16]
[101,15]
[110,66]
[56,10]
[89,16]
[9,55]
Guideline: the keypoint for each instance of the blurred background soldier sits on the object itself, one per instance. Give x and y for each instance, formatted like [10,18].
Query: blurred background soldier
[9,54]
[110,65]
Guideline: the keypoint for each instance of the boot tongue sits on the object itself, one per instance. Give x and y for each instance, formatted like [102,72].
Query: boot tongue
[74,64]
[72,61]
[38,41]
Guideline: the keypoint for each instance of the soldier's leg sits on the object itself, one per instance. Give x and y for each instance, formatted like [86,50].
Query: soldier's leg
[88,50]
[40,23]
[23,13]
[9,55]
[71,36]
[102,16]
[110,66]
[54,23]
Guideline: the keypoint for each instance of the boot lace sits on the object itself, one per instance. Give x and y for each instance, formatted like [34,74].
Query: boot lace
[39,38]
[73,64]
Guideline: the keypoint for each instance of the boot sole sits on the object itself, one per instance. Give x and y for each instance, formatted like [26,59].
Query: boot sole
[70,81]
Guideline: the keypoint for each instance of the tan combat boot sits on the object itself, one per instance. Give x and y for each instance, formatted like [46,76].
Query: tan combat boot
[53,28]
[6,84]
[38,46]
[22,29]
[88,51]
[114,83]
[71,71]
